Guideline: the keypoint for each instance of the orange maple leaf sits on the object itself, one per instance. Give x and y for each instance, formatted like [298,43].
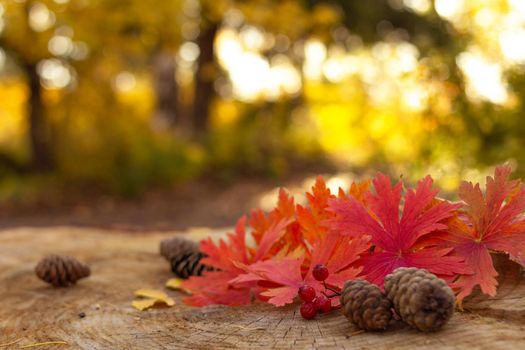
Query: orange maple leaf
[312,218]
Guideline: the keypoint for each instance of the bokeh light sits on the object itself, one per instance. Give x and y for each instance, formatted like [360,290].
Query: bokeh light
[155,92]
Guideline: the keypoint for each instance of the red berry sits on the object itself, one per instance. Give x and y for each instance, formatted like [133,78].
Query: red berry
[308,310]
[322,303]
[307,293]
[320,272]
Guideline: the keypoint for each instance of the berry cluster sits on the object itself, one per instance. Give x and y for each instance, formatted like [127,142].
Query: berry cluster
[315,303]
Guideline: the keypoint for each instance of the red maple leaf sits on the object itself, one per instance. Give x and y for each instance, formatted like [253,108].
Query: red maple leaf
[493,221]
[279,279]
[395,236]
[213,286]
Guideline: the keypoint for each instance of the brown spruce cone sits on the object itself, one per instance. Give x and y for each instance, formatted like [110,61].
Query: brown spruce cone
[365,306]
[423,300]
[184,257]
[61,271]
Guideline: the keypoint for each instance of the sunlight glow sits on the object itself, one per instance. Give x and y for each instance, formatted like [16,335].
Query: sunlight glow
[415,98]
[449,9]
[334,69]
[249,76]
[60,45]
[125,82]
[228,48]
[485,18]
[484,78]
[252,38]
[40,17]
[407,55]
[189,51]
[54,74]
[512,43]
[419,6]
[315,54]
[337,182]
[518,7]
[80,51]
[252,75]
[283,78]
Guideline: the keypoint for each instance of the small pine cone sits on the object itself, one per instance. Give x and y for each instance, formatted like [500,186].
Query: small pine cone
[61,271]
[365,306]
[186,265]
[177,246]
[423,300]
[184,257]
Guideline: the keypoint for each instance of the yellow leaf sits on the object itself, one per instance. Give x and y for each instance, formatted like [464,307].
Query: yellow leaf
[148,303]
[175,284]
[143,304]
[154,297]
[150,293]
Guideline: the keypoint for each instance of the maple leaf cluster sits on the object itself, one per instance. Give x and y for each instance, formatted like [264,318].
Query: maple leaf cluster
[366,232]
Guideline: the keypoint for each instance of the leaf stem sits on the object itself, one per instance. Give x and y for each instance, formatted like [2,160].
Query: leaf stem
[331,289]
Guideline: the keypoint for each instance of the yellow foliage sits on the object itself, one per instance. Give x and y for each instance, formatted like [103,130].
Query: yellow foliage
[176,284]
[224,113]
[153,297]
[326,15]
[13,124]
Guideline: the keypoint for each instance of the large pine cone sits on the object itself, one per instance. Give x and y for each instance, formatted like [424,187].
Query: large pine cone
[184,257]
[61,271]
[423,300]
[365,306]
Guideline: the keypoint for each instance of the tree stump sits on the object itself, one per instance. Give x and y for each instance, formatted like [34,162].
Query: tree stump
[97,312]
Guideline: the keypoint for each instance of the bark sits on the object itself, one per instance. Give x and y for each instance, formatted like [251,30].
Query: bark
[204,90]
[39,131]
[11,164]
[167,109]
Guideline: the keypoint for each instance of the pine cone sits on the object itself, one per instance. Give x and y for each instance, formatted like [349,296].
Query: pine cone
[177,246]
[423,300]
[61,271]
[186,265]
[184,257]
[365,306]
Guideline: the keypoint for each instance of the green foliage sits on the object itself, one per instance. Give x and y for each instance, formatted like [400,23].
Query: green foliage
[124,156]
[263,142]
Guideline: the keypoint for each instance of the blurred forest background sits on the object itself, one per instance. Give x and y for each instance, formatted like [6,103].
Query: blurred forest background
[116,98]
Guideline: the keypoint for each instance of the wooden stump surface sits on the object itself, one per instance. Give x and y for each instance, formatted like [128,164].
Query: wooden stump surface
[33,312]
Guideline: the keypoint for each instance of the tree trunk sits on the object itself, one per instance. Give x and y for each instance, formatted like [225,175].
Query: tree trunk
[97,313]
[166,90]
[39,131]
[204,91]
